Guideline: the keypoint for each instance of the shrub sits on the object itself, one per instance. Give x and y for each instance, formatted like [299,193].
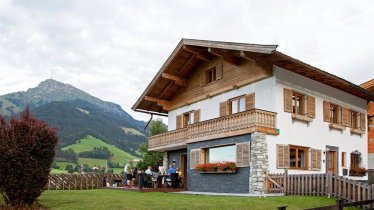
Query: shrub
[217,167]
[27,150]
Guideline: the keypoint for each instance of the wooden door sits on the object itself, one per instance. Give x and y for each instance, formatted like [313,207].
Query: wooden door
[184,169]
[331,161]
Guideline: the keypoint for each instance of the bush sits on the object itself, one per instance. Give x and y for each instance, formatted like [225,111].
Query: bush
[27,150]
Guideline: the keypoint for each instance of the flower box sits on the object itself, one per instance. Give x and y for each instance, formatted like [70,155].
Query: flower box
[217,168]
[358,172]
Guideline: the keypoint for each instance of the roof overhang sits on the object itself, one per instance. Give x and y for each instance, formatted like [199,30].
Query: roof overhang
[190,53]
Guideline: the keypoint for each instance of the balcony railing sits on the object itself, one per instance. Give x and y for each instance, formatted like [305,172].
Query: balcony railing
[230,125]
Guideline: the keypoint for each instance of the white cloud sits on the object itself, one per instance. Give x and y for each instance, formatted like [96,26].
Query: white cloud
[112,49]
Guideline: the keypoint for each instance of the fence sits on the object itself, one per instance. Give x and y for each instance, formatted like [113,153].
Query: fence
[320,185]
[81,181]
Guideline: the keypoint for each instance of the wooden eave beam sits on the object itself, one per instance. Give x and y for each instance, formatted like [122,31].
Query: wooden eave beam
[178,80]
[202,55]
[260,61]
[161,102]
[226,56]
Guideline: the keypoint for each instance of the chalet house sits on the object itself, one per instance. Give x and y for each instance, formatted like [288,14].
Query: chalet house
[369,85]
[257,107]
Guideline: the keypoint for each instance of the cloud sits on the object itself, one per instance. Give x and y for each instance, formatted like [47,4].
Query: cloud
[113,49]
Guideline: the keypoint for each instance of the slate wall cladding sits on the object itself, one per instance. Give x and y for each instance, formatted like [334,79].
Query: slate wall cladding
[176,155]
[222,183]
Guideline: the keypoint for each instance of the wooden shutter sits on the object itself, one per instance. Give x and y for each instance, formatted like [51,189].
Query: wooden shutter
[202,78]
[249,101]
[316,159]
[326,111]
[243,154]
[179,121]
[196,116]
[363,121]
[194,158]
[311,109]
[345,116]
[287,100]
[283,156]
[339,115]
[223,108]
[202,156]
[219,70]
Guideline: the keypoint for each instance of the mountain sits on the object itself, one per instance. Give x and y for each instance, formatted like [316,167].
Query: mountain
[77,114]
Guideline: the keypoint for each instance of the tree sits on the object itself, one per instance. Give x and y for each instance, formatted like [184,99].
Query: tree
[149,158]
[27,150]
[157,126]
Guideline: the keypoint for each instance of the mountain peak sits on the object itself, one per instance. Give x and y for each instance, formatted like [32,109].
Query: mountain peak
[53,85]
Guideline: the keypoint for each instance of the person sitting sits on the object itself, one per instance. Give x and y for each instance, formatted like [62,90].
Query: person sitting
[172,170]
[149,170]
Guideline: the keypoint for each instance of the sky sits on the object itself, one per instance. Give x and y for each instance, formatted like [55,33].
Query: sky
[112,49]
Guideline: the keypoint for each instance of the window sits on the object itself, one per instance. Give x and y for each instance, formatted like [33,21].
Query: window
[355,160]
[298,157]
[237,105]
[298,103]
[220,154]
[334,113]
[344,159]
[354,120]
[210,75]
[188,118]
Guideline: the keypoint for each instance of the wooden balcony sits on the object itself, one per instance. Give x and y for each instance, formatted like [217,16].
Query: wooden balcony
[230,125]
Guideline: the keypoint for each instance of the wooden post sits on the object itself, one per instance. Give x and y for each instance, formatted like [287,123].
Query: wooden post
[285,182]
[340,203]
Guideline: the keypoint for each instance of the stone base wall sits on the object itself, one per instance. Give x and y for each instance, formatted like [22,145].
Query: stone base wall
[259,164]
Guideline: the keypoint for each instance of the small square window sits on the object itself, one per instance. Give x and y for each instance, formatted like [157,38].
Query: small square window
[188,118]
[237,104]
[210,75]
[298,103]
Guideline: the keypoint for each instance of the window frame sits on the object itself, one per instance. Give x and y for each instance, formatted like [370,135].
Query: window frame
[190,121]
[297,148]
[355,120]
[206,152]
[355,157]
[210,75]
[237,99]
[344,159]
[295,107]
[334,115]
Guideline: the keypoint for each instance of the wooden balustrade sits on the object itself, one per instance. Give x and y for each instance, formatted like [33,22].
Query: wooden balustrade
[247,122]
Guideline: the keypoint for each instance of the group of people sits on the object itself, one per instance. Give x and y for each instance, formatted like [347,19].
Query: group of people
[131,172]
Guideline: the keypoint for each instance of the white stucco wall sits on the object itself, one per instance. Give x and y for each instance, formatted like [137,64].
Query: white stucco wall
[316,134]
[210,107]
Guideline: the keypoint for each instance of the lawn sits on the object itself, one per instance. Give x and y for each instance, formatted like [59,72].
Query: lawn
[92,162]
[116,199]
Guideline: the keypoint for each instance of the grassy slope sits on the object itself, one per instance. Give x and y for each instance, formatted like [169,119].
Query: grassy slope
[116,199]
[89,142]
[132,131]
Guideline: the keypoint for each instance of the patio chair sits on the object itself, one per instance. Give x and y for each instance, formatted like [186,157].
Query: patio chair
[174,180]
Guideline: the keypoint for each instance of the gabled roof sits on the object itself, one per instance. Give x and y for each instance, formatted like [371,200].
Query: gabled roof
[369,85]
[190,53]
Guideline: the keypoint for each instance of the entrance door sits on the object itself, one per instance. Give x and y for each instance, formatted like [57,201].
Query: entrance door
[331,161]
[184,169]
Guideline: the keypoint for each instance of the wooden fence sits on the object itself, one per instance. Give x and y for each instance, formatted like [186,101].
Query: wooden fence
[83,181]
[320,185]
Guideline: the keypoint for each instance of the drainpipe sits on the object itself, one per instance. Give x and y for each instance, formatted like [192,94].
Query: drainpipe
[145,128]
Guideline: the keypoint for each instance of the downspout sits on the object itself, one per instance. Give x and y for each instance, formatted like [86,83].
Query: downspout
[148,122]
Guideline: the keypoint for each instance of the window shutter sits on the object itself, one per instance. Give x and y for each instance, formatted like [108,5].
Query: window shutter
[223,108]
[326,111]
[287,100]
[202,156]
[339,115]
[196,116]
[249,101]
[202,78]
[311,107]
[243,154]
[345,116]
[363,121]
[219,70]
[179,121]
[194,158]
[283,156]
[316,159]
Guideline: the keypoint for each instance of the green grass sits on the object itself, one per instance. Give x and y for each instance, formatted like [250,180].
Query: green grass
[132,131]
[89,142]
[117,199]
[92,162]
[58,171]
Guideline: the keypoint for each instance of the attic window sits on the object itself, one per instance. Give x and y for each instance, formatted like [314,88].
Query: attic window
[210,75]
